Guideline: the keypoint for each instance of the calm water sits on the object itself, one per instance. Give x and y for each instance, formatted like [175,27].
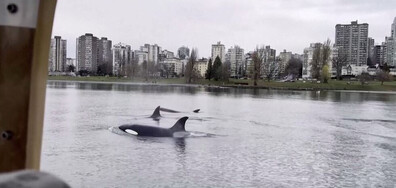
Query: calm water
[256,138]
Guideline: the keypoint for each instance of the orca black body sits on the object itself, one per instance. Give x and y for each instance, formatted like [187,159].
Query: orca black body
[143,130]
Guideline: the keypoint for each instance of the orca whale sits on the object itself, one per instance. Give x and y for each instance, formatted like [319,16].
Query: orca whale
[177,130]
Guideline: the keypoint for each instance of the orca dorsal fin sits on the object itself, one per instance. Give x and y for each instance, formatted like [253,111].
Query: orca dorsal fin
[179,125]
[156,113]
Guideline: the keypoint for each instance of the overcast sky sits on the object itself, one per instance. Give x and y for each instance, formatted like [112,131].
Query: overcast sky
[283,24]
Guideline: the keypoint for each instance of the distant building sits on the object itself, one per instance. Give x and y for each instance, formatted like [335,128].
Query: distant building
[153,52]
[70,62]
[201,66]
[172,66]
[352,41]
[393,28]
[390,51]
[284,60]
[298,56]
[235,58]
[87,53]
[166,54]
[183,52]
[57,56]
[141,56]
[218,50]
[370,51]
[269,57]
[122,58]
[308,56]
[379,55]
[248,64]
[105,56]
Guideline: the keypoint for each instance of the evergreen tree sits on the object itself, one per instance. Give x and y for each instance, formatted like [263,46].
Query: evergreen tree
[209,71]
[217,69]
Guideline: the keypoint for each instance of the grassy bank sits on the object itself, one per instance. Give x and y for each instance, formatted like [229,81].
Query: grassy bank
[299,85]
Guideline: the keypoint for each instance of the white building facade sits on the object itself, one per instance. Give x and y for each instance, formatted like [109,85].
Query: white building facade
[57,55]
[352,41]
[284,60]
[87,53]
[218,50]
[122,57]
[235,58]
[153,52]
[173,65]
[201,66]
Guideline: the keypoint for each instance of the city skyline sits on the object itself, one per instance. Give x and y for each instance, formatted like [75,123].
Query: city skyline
[281,24]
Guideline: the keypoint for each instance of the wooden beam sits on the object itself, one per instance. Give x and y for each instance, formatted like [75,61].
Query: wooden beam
[39,75]
[24,49]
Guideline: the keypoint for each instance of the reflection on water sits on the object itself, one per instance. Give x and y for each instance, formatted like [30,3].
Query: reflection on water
[221,91]
[241,137]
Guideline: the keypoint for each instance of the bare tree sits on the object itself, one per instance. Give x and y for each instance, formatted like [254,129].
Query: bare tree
[320,58]
[144,70]
[339,62]
[190,73]
[257,58]
[167,69]
[383,76]
[315,63]
[325,53]
[364,78]
[269,69]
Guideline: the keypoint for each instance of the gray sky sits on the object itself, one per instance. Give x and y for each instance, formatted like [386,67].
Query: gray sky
[283,24]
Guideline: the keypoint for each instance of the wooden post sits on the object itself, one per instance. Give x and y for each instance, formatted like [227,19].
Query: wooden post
[25,32]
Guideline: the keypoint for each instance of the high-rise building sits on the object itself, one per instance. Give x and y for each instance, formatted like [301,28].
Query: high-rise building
[201,66]
[370,51]
[390,49]
[183,52]
[171,67]
[87,53]
[379,55]
[352,41]
[153,52]
[235,58]
[105,57]
[268,65]
[248,64]
[141,56]
[57,56]
[393,29]
[284,60]
[166,54]
[218,50]
[122,58]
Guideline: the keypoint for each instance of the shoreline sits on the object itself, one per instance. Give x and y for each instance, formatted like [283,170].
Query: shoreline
[218,85]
